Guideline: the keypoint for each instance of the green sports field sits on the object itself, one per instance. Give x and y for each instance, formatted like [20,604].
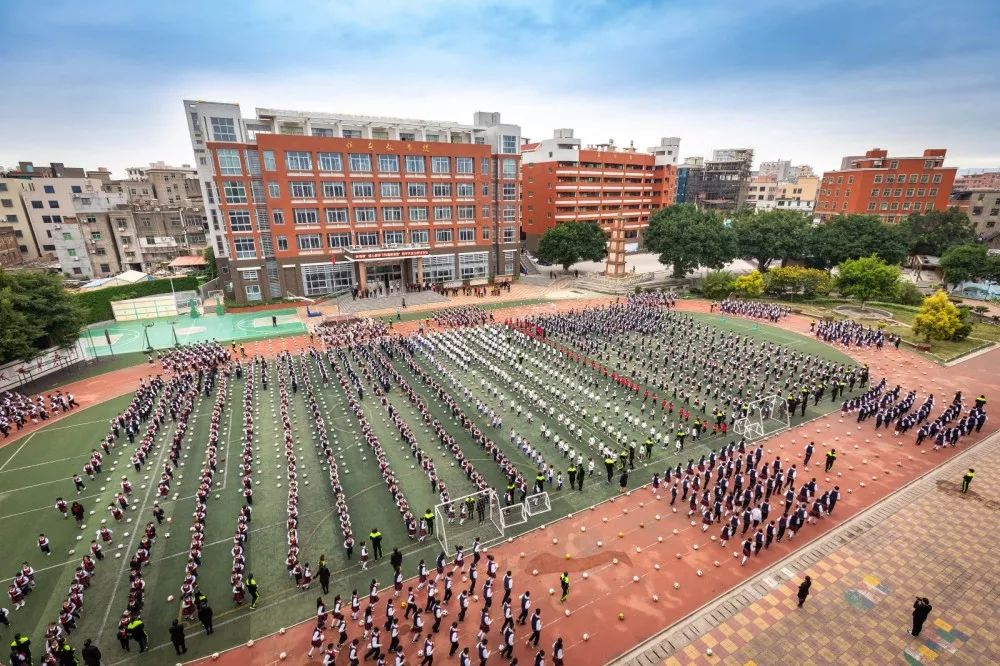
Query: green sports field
[37,468]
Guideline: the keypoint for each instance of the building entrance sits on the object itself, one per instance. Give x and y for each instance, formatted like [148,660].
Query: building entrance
[387,276]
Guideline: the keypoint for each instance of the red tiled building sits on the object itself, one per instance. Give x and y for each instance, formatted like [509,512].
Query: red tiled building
[888,186]
[562,182]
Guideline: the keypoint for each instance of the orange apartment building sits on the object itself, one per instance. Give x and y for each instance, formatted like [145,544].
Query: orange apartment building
[890,187]
[562,182]
[309,204]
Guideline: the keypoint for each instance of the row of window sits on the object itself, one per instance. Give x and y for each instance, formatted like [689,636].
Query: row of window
[898,192]
[895,205]
[891,178]
[239,220]
[301,160]
[246,247]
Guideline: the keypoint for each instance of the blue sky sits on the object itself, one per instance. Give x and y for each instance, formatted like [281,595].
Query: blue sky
[101,83]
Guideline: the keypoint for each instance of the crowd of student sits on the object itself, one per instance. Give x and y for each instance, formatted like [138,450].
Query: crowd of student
[18,410]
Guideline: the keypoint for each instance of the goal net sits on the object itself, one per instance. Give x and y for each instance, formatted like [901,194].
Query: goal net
[537,503]
[463,519]
[763,417]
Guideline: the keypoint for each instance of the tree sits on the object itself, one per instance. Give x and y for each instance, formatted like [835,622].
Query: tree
[687,238]
[774,234]
[570,242]
[36,313]
[790,280]
[211,270]
[934,232]
[751,284]
[938,318]
[718,284]
[964,263]
[866,278]
[854,236]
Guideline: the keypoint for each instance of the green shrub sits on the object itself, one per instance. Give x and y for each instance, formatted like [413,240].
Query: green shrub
[907,293]
[718,284]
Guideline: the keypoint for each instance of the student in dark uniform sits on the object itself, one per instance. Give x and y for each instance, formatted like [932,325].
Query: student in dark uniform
[804,590]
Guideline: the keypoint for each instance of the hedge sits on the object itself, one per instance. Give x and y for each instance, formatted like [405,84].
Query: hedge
[97,303]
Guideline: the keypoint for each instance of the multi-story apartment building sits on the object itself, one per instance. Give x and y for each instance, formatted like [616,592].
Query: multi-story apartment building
[562,182]
[49,196]
[726,179]
[799,194]
[166,216]
[988,180]
[14,215]
[762,190]
[317,203]
[983,208]
[890,187]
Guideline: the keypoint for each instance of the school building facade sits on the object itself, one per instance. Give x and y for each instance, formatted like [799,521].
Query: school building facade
[309,204]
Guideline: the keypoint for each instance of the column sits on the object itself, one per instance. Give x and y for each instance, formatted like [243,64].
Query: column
[362,275]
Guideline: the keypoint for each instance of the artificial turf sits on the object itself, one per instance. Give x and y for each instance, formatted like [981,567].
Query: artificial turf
[36,469]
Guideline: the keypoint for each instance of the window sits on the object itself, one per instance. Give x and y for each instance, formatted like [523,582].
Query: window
[392,214]
[442,189]
[273,190]
[508,144]
[249,276]
[362,215]
[442,213]
[486,212]
[484,166]
[390,190]
[234,192]
[894,164]
[253,292]
[53,203]
[7,203]
[388,164]
[465,190]
[37,204]
[419,237]
[229,162]
[392,237]
[336,216]
[338,240]
[351,133]
[509,168]
[245,248]
[368,238]
[302,189]
[416,190]
[467,235]
[278,216]
[363,190]
[508,262]
[361,162]
[486,233]
[875,192]
[871,206]
[283,243]
[305,216]
[334,190]
[472,265]
[913,178]
[269,163]
[327,278]
[407,136]
[464,165]
[936,178]
[508,234]
[223,129]
[415,164]
[418,213]
[67,236]
[466,212]
[508,213]
[924,178]
[239,220]
[105,268]
[330,162]
[298,160]
[307,242]
[932,192]
[443,235]
[909,192]
[253,162]
[440,164]
[439,268]
[509,191]
[3,187]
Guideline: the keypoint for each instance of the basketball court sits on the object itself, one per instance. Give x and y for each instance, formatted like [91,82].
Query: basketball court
[134,336]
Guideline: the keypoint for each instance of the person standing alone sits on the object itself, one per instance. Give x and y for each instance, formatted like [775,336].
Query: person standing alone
[804,590]
[967,479]
[921,609]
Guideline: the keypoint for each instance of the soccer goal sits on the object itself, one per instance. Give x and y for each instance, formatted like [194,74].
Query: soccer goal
[764,416]
[482,518]
[537,503]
